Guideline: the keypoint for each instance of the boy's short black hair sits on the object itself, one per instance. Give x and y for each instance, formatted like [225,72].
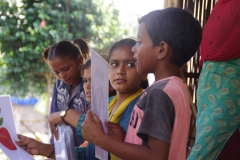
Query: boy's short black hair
[178,28]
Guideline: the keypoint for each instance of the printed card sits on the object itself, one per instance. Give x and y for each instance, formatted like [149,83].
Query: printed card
[8,134]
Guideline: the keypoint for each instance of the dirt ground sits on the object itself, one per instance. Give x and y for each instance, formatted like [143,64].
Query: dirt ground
[30,123]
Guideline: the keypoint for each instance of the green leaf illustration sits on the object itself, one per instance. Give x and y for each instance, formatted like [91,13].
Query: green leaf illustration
[223,91]
[238,61]
[209,66]
[231,106]
[222,125]
[1,121]
[209,140]
[236,84]
[196,148]
[205,87]
[217,111]
[206,118]
[222,64]
[211,98]
[204,107]
[207,129]
[216,78]
[199,158]
[227,71]
[223,136]
[235,120]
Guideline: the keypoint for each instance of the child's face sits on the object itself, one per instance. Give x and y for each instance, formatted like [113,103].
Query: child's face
[122,71]
[87,83]
[144,52]
[66,70]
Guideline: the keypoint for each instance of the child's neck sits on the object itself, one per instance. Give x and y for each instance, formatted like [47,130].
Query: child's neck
[167,71]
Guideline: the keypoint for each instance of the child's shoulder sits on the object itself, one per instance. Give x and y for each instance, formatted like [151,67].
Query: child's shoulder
[171,82]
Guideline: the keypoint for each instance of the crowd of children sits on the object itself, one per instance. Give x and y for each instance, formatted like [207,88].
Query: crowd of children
[152,122]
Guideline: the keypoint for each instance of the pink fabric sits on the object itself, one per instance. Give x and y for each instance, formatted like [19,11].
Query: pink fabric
[178,92]
[131,136]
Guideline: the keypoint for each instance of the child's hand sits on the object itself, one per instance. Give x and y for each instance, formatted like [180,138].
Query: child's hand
[33,146]
[92,127]
[116,131]
[30,145]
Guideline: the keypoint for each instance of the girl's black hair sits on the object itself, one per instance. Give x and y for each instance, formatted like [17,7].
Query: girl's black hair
[67,49]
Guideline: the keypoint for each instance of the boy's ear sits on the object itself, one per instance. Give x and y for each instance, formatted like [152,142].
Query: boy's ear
[163,48]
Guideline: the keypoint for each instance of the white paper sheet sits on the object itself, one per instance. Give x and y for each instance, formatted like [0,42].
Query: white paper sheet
[8,134]
[64,146]
[99,93]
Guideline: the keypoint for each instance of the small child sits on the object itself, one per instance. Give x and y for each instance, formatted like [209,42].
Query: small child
[86,75]
[159,123]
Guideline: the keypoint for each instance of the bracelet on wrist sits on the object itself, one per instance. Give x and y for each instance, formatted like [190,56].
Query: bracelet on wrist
[53,150]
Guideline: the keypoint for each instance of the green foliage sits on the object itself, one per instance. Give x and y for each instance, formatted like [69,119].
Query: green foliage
[28,26]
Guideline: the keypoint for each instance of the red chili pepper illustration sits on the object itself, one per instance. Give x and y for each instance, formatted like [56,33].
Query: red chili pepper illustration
[6,140]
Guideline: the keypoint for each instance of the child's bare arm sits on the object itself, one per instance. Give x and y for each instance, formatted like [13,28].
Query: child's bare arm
[92,131]
[115,131]
[71,118]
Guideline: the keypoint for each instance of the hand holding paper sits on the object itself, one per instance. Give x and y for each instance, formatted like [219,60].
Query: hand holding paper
[92,128]
[8,134]
[32,146]
[116,131]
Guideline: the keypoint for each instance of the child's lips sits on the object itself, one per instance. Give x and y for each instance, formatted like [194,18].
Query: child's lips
[88,94]
[120,80]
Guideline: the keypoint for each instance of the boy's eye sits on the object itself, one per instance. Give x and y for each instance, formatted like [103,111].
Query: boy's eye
[130,64]
[114,64]
[56,73]
[139,42]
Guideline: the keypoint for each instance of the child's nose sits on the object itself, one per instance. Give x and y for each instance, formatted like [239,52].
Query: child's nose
[88,84]
[121,69]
